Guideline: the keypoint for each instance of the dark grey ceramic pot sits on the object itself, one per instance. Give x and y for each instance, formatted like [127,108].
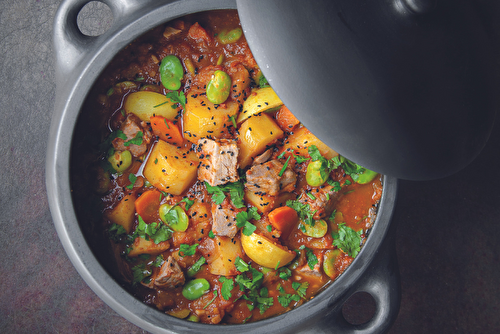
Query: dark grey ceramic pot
[79,61]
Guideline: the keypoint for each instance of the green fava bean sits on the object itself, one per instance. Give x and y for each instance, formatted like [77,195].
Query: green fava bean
[171,72]
[364,177]
[120,160]
[313,174]
[318,230]
[329,262]
[175,217]
[195,289]
[227,37]
[219,87]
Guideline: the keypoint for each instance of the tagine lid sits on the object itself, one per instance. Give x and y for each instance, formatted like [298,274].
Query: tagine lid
[407,88]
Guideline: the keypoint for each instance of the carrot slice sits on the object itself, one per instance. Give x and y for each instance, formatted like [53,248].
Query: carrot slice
[166,130]
[147,205]
[286,120]
[284,219]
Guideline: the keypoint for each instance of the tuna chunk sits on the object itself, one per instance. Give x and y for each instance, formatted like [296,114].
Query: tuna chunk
[130,128]
[263,157]
[265,178]
[170,275]
[224,219]
[218,161]
[325,198]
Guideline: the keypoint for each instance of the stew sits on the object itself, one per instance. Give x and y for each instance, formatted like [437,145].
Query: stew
[200,191]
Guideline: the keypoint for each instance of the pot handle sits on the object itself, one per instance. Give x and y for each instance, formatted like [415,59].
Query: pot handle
[381,280]
[71,45]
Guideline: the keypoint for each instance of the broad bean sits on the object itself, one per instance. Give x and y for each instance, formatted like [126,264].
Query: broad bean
[171,72]
[175,217]
[227,37]
[120,160]
[219,87]
[329,262]
[318,230]
[313,174]
[195,289]
[364,177]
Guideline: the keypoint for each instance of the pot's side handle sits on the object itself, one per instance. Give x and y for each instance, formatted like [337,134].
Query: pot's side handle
[71,46]
[381,280]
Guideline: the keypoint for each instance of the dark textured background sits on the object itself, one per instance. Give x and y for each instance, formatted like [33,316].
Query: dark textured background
[448,230]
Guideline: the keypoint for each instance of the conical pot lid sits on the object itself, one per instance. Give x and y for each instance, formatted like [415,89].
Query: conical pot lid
[408,88]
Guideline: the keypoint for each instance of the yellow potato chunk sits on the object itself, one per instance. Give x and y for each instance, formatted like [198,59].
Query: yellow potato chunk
[264,252]
[255,134]
[202,118]
[265,203]
[301,139]
[170,168]
[145,104]
[226,251]
[123,214]
[143,246]
[261,99]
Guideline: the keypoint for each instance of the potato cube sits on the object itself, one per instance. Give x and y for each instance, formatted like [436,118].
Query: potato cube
[265,203]
[301,139]
[202,118]
[145,104]
[226,251]
[256,134]
[123,213]
[170,168]
[143,246]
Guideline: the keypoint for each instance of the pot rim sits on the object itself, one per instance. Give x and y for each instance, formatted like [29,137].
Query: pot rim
[76,74]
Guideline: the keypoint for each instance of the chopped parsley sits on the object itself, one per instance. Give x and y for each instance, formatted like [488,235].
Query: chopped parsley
[227,286]
[300,159]
[157,232]
[284,166]
[312,260]
[286,298]
[137,140]
[211,301]
[132,178]
[285,273]
[187,250]
[348,240]
[243,220]
[263,81]
[195,268]
[158,261]
[177,97]
[116,232]
[303,210]
[335,184]
[301,288]
[189,202]
[235,189]
[240,265]
[140,272]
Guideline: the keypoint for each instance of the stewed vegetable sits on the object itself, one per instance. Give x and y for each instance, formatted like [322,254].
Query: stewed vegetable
[216,204]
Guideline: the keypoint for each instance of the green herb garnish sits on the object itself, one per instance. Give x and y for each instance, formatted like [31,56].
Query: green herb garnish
[243,220]
[348,240]
[187,250]
[227,286]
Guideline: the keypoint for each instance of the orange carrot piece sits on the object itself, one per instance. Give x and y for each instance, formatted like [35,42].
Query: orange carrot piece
[286,120]
[284,219]
[147,205]
[166,130]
